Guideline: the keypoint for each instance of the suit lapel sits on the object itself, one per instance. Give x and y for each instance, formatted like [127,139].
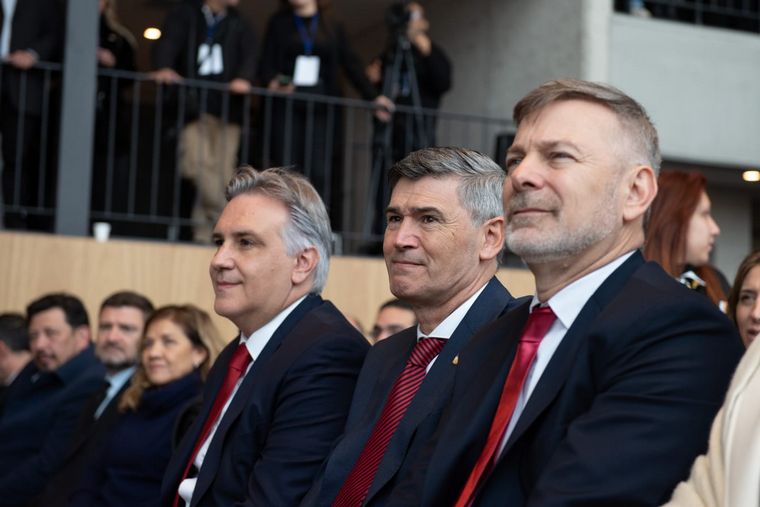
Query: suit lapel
[365,411]
[243,395]
[483,367]
[439,380]
[561,363]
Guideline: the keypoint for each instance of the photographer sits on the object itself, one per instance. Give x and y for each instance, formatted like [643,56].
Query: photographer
[431,68]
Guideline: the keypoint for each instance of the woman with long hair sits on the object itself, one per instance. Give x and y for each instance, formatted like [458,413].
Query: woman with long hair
[744,299]
[178,348]
[681,233]
[729,474]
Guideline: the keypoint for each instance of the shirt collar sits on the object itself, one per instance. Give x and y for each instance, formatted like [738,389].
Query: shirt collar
[447,327]
[568,302]
[117,380]
[259,338]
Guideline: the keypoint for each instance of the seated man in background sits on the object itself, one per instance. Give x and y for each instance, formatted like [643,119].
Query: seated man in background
[394,316]
[42,407]
[278,395]
[14,350]
[444,234]
[120,327]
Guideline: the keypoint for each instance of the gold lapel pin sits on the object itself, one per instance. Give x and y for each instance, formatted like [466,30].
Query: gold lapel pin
[455,361]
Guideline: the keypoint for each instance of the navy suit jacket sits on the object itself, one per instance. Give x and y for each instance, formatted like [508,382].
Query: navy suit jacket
[38,422]
[621,411]
[285,417]
[86,444]
[37,26]
[383,365]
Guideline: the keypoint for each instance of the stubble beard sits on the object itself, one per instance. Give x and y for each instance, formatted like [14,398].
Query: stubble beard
[542,243]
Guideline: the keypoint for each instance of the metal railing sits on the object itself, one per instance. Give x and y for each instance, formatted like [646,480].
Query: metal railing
[138,181]
[743,15]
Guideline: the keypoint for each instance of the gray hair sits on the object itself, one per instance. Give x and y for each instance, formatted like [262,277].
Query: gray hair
[309,225]
[642,136]
[481,178]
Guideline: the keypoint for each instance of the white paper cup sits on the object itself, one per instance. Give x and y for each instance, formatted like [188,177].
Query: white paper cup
[101,231]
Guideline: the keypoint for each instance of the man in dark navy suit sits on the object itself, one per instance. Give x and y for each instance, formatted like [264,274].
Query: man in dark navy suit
[602,389]
[120,328]
[278,395]
[42,405]
[445,231]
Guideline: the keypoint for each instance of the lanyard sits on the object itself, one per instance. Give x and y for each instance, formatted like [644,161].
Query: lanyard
[212,23]
[307,37]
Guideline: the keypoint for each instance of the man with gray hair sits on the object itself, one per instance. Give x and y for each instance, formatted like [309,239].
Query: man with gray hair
[278,395]
[444,234]
[601,390]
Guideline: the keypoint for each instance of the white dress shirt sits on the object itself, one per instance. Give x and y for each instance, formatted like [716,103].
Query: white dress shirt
[255,344]
[9,6]
[115,383]
[566,305]
[450,324]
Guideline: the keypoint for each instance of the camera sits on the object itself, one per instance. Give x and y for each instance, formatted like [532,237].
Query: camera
[397,16]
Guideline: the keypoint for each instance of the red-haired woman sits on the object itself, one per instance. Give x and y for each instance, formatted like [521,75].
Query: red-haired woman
[681,233]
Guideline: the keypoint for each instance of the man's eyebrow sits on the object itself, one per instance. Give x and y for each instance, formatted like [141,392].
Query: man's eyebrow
[415,211]
[544,145]
[247,233]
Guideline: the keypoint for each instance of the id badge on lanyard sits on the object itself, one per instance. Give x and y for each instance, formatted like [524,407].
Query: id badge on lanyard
[306,72]
[210,59]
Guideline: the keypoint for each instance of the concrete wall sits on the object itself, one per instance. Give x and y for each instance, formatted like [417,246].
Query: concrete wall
[699,84]
[501,49]
[731,211]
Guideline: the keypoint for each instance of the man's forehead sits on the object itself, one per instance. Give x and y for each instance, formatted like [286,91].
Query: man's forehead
[121,313]
[568,111]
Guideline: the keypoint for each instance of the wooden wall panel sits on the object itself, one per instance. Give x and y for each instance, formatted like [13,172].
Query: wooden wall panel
[35,264]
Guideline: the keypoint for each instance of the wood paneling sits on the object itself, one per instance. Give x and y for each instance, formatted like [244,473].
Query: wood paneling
[35,264]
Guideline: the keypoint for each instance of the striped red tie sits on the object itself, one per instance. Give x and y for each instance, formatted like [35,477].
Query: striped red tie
[238,365]
[356,486]
[539,322]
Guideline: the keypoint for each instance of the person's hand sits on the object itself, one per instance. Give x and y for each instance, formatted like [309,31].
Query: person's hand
[239,85]
[277,86]
[22,59]
[384,109]
[166,75]
[106,58]
[374,71]
[422,42]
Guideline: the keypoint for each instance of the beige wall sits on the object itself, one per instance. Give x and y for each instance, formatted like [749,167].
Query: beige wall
[35,264]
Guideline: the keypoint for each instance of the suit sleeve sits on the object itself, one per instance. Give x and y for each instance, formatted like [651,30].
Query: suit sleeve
[168,49]
[352,66]
[661,377]
[437,70]
[28,477]
[268,68]
[309,417]
[248,51]
[49,31]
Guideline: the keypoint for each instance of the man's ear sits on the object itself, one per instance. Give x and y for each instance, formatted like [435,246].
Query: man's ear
[305,264]
[641,189]
[82,337]
[493,238]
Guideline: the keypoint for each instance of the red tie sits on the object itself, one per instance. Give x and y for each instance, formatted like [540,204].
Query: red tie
[539,322]
[237,367]
[355,488]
